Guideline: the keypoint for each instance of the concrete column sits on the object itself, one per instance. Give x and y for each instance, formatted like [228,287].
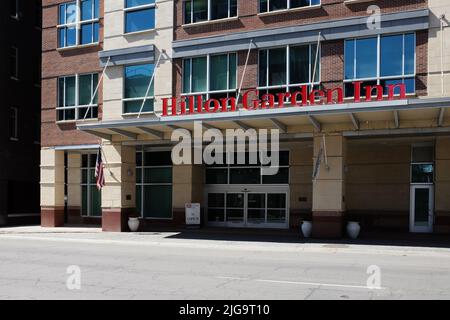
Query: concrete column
[119,194]
[329,188]
[187,187]
[442,186]
[74,187]
[52,188]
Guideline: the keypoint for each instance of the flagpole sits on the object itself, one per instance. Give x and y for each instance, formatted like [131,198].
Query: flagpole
[315,61]
[96,89]
[150,84]
[243,73]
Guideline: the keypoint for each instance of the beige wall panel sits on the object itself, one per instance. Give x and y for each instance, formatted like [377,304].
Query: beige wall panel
[379,173]
[378,196]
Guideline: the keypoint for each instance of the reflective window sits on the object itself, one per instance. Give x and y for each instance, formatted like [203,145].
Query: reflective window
[78,25]
[90,196]
[136,89]
[76,100]
[422,164]
[382,60]
[274,5]
[139,15]
[154,184]
[274,67]
[204,10]
[222,76]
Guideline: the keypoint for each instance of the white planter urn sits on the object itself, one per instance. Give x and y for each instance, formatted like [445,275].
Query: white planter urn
[353,229]
[307,229]
[133,224]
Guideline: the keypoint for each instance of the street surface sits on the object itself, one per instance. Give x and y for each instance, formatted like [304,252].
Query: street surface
[84,263]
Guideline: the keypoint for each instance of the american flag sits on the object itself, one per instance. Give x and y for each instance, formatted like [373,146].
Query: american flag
[99,172]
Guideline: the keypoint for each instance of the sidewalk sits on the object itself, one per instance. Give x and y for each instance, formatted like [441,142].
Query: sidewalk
[238,239]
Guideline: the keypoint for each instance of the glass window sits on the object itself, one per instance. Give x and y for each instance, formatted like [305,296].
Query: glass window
[274,66]
[137,80]
[395,65]
[154,184]
[91,197]
[78,28]
[247,172]
[422,164]
[14,63]
[139,15]
[14,9]
[75,95]
[204,10]
[222,75]
[13,123]
[274,5]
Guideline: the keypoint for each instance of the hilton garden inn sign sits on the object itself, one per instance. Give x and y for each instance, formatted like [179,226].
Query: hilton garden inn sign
[195,104]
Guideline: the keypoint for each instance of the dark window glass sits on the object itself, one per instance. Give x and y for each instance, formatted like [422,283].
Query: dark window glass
[262,68]
[299,64]
[245,175]
[263,5]
[422,173]
[158,201]
[200,10]
[277,66]
[277,5]
[216,200]
[160,158]
[410,51]
[219,9]
[216,176]
[300,3]
[136,3]
[218,74]
[187,10]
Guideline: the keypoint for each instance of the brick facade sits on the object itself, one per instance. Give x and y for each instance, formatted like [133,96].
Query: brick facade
[250,20]
[56,63]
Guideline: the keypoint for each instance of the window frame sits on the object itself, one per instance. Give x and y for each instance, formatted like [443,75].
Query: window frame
[208,92]
[127,10]
[378,77]
[289,85]
[138,98]
[413,163]
[14,49]
[77,24]
[288,7]
[14,114]
[16,16]
[208,13]
[142,167]
[77,98]
[227,166]
[89,184]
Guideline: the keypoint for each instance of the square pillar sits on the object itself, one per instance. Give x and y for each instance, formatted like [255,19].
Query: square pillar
[74,187]
[52,188]
[442,186]
[329,187]
[119,193]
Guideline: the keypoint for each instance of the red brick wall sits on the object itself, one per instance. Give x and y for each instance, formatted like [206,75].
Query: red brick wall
[56,63]
[249,19]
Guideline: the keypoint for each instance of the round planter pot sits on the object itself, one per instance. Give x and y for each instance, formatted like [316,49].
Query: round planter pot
[133,224]
[307,229]
[353,229]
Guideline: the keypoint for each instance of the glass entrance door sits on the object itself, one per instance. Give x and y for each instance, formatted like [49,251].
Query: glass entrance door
[421,215]
[257,208]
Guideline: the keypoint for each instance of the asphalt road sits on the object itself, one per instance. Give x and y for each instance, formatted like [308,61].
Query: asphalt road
[92,265]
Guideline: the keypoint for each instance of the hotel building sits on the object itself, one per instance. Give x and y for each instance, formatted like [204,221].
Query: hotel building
[379,154]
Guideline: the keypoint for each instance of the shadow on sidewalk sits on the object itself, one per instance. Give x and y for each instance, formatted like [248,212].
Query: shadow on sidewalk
[290,236]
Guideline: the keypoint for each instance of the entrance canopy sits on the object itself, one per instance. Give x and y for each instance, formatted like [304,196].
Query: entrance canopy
[402,117]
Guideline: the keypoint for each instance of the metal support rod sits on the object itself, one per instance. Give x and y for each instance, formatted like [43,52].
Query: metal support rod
[150,84]
[96,89]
